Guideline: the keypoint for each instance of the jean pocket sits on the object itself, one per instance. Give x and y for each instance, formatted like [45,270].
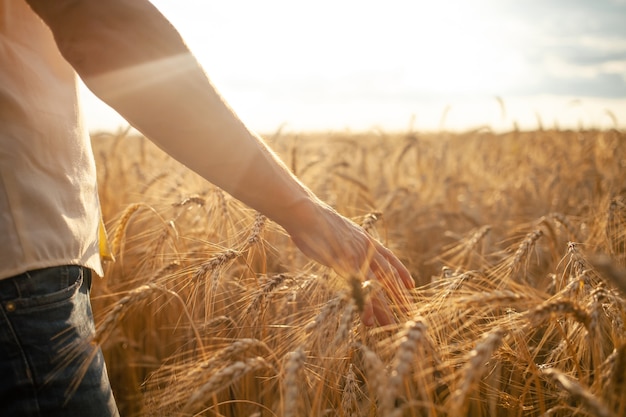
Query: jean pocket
[46,288]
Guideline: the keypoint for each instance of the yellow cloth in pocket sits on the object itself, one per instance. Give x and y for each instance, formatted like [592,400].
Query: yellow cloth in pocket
[106,254]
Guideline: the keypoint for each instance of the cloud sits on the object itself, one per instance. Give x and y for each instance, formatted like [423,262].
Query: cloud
[568,17]
[569,47]
[602,85]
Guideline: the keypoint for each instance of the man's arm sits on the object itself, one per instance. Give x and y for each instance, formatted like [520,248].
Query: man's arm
[131,57]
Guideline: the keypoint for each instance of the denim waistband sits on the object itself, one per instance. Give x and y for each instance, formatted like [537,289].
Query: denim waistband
[20,286]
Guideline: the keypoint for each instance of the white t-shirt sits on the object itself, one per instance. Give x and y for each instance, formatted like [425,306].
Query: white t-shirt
[49,208]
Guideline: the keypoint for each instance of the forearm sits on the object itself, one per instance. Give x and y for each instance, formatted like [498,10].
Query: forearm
[184,115]
[133,59]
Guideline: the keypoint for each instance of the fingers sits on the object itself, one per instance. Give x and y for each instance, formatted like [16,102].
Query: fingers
[382,281]
[377,311]
[396,265]
[351,252]
[390,277]
[393,279]
[381,309]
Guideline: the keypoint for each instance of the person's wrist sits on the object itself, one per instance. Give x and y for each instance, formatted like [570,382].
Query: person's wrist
[302,215]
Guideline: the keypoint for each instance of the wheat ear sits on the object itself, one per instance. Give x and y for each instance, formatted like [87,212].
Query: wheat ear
[349,396]
[293,367]
[578,393]
[474,369]
[222,379]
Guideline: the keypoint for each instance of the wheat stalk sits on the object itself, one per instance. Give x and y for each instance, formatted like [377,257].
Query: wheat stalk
[474,369]
[293,366]
[377,380]
[564,221]
[345,324]
[577,392]
[350,394]
[414,337]
[330,309]
[369,220]
[524,249]
[613,377]
[559,307]
[221,379]
[194,199]
[121,226]
[257,230]
[122,305]
[215,263]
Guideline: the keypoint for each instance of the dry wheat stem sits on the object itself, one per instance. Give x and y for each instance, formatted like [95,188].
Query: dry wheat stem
[578,393]
[223,379]
[497,297]
[215,262]
[257,230]
[135,296]
[477,237]
[329,310]
[350,395]
[474,369]
[122,225]
[197,200]
[414,340]
[255,308]
[233,349]
[524,249]
[562,219]
[578,262]
[293,368]
[345,325]
[369,220]
[436,198]
[377,380]
[613,369]
[559,307]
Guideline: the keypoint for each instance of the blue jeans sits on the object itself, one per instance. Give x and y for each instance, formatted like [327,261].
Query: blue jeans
[47,365]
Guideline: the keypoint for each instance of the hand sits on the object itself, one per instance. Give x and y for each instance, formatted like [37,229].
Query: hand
[333,240]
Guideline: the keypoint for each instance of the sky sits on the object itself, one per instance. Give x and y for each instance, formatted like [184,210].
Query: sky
[406,64]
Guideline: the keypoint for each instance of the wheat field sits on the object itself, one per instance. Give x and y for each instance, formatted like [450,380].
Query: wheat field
[517,242]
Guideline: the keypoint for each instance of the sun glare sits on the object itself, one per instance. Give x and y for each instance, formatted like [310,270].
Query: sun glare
[359,64]
[442,46]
